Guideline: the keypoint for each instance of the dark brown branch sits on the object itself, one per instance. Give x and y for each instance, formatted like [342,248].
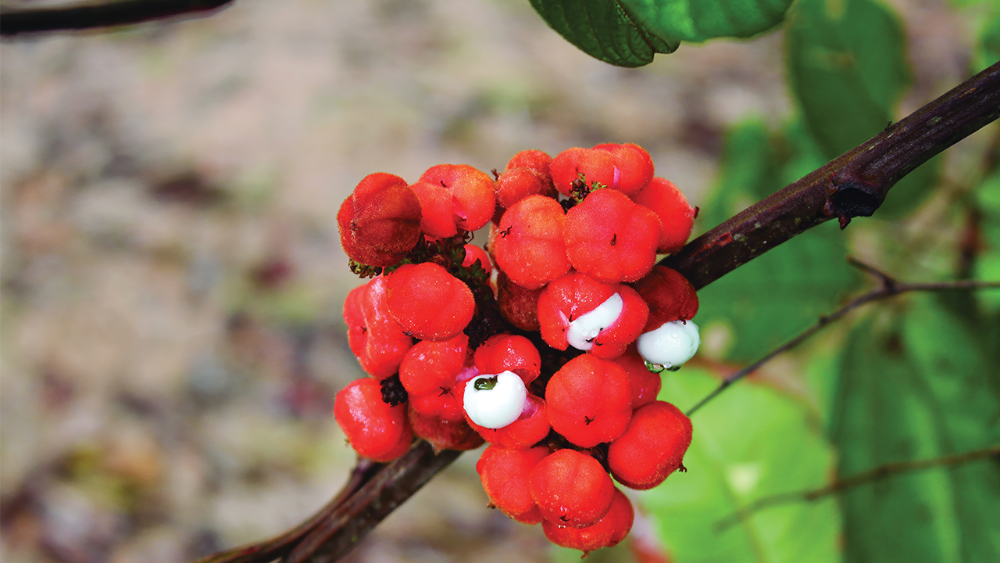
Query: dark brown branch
[843,188]
[125,12]
[888,287]
[877,474]
[854,184]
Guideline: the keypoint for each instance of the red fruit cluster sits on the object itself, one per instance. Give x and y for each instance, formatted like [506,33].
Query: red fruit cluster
[573,241]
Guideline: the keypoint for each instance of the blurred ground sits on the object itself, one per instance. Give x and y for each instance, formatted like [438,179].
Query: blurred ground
[172,274]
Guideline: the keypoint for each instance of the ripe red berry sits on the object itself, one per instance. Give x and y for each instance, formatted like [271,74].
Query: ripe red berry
[465,198]
[516,184]
[653,446]
[373,335]
[571,489]
[376,430]
[505,474]
[633,167]
[536,160]
[607,532]
[428,302]
[671,207]
[670,297]
[518,305]
[644,383]
[529,245]
[442,434]
[597,167]
[611,238]
[509,352]
[589,401]
[430,372]
[580,311]
[529,429]
[380,221]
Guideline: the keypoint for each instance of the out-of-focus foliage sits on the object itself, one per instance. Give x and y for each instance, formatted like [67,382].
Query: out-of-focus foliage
[919,385]
[767,301]
[750,443]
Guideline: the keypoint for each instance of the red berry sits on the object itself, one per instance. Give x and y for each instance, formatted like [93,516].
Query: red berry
[671,207]
[430,372]
[571,489]
[376,430]
[471,191]
[564,302]
[597,167]
[428,302]
[652,448]
[380,221]
[644,383]
[526,431]
[375,338]
[607,532]
[508,352]
[516,184]
[529,245]
[537,160]
[611,238]
[669,295]
[589,401]
[633,167]
[518,305]
[443,435]
[505,474]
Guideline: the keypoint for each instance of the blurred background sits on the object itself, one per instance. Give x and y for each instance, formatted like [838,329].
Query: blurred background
[172,278]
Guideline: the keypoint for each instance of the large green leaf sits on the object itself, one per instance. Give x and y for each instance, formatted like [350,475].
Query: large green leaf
[847,68]
[749,443]
[603,30]
[700,20]
[921,385]
[770,299]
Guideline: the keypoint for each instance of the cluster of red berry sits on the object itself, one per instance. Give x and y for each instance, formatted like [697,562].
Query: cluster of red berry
[453,348]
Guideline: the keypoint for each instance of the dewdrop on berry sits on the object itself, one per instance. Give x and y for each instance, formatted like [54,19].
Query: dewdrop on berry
[494,401]
[585,328]
[670,345]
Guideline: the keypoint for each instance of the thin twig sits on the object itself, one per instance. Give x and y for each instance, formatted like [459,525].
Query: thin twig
[90,16]
[877,474]
[888,287]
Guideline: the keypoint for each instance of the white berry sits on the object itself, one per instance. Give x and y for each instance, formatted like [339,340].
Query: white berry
[670,345]
[494,401]
[585,328]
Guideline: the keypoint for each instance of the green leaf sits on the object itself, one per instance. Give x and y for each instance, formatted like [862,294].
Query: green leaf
[847,68]
[918,386]
[749,443]
[767,301]
[700,20]
[603,30]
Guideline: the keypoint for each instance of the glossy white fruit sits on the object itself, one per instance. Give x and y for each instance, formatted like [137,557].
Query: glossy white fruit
[499,405]
[670,345]
[585,328]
